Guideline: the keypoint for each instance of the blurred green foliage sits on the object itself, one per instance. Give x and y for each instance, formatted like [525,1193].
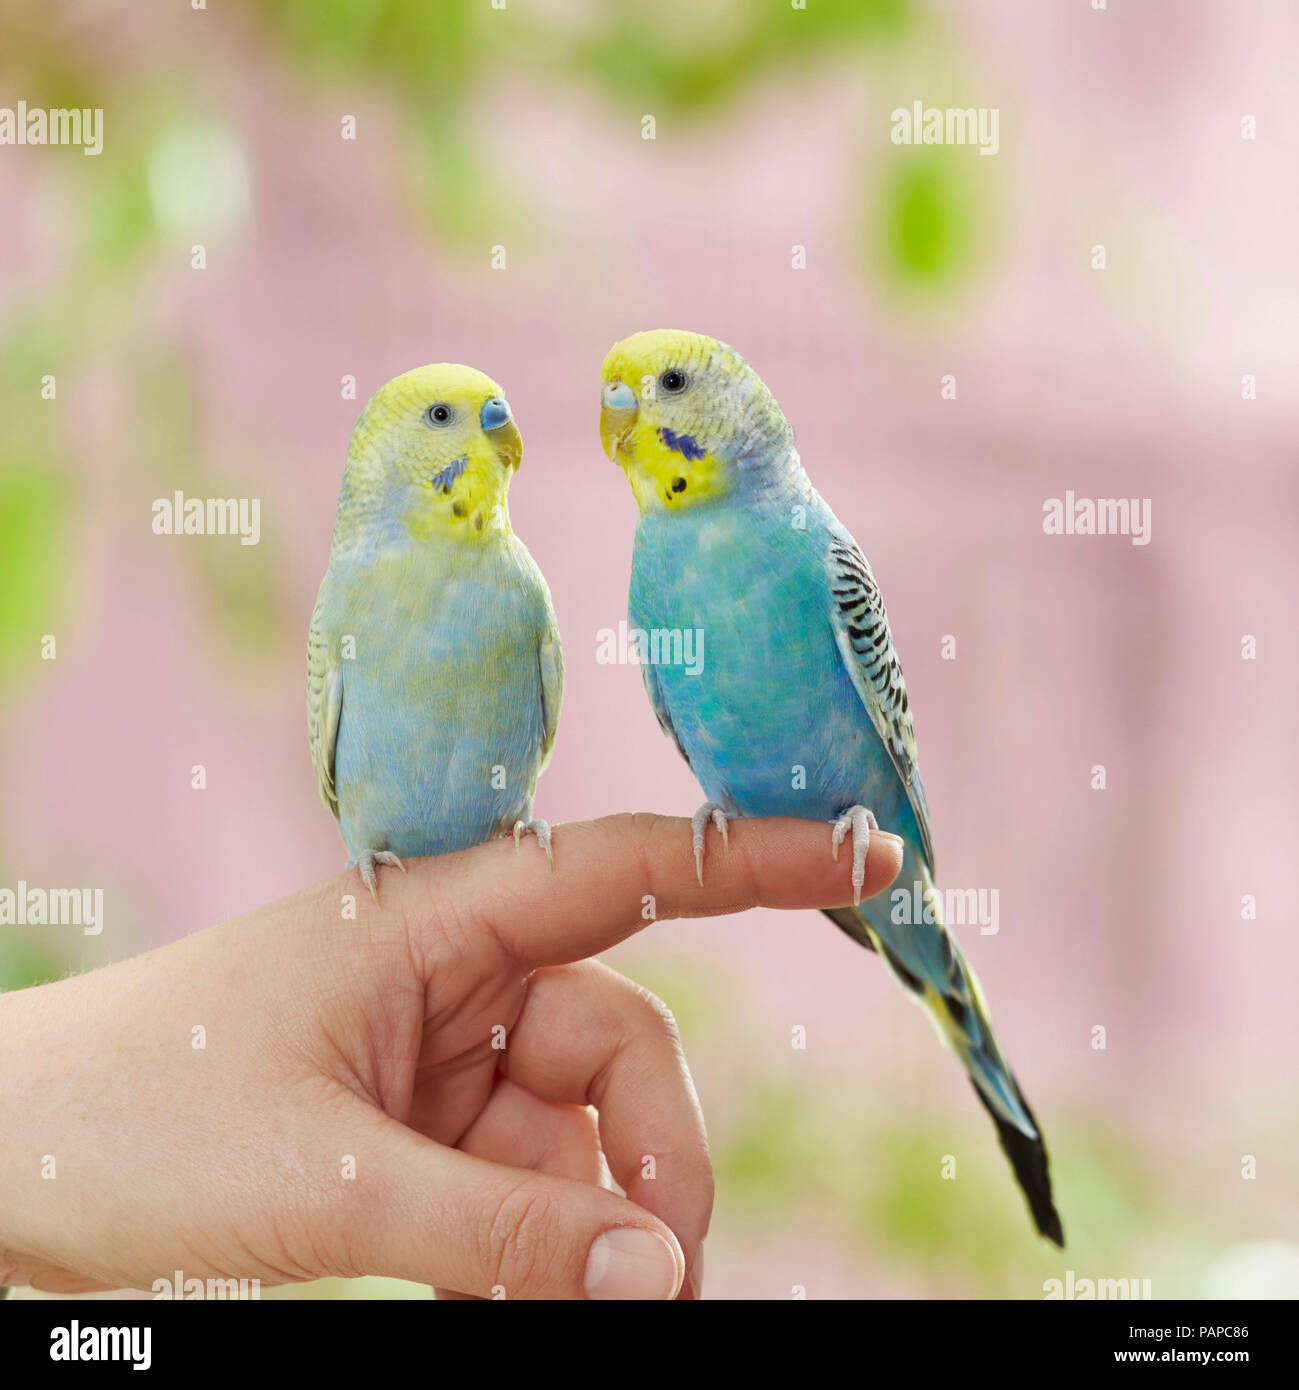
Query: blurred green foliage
[36,559]
[689,58]
[681,57]
[681,61]
[241,586]
[25,962]
[927,216]
[32,570]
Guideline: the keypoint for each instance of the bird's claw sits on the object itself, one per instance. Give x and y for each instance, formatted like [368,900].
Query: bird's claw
[861,822]
[709,811]
[367,864]
[541,830]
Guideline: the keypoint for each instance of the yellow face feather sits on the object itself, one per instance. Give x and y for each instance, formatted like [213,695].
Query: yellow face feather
[680,413]
[439,445]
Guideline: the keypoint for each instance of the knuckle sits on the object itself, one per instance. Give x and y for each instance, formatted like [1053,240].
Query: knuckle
[652,837]
[641,823]
[522,1239]
[699,1170]
[660,1018]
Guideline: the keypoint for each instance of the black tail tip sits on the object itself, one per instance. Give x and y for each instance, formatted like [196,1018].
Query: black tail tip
[1028,1158]
[1048,1223]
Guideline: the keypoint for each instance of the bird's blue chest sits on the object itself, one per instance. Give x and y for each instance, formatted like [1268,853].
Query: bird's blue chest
[440,734]
[766,712]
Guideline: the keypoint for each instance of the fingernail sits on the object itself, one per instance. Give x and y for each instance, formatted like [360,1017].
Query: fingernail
[629,1262]
[889,836]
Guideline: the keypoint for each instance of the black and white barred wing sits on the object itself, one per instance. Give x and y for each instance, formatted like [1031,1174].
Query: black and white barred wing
[861,629]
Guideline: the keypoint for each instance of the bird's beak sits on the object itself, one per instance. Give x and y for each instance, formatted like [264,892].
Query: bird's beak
[618,411]
[497,421]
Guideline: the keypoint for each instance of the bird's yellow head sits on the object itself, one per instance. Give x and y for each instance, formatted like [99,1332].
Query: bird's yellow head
[433,453]
[687,419]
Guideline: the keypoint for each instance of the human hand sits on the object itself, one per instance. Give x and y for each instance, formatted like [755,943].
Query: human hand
[293,1094]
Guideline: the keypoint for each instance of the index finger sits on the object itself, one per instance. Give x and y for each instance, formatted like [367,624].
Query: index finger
[615,876]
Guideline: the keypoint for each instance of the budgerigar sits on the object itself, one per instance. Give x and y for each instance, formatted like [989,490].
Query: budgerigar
[800,708]
[434,672]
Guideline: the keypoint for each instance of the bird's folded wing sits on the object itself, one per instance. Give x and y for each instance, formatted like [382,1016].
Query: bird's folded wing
[550,657]
[861,630]
[649,674]
[324,703]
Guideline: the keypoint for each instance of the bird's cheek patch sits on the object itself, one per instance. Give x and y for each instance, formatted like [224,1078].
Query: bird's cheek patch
[675,470]
[683,444]
[459,500]
[443,481]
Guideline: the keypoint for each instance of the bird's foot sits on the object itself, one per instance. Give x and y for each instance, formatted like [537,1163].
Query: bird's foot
[541,830]
[368,864]
[709,811]
[861,822]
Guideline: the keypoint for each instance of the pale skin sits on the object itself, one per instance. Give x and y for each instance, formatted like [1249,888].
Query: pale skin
[365,1046]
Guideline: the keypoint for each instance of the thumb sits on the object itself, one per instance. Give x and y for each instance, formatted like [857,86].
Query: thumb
[427,1213]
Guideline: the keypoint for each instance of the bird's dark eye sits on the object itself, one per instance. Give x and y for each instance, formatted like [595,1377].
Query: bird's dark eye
[673,381]
[439,414]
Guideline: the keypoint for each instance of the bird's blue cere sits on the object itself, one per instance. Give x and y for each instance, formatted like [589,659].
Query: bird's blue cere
[495,412]
[617,395]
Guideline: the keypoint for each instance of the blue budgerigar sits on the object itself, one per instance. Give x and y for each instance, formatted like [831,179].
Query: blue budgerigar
[798,707]
[434,672]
